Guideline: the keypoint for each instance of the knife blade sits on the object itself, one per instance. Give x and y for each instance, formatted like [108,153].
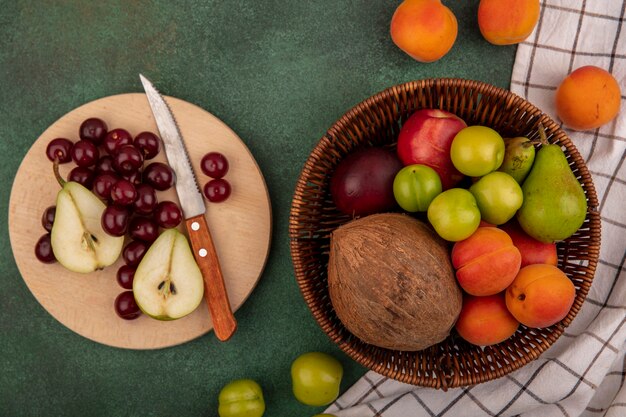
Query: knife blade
[193,207]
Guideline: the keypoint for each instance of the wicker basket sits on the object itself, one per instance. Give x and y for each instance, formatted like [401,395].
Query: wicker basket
[377,121]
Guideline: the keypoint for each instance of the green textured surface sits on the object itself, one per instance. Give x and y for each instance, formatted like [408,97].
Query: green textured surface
[279,73]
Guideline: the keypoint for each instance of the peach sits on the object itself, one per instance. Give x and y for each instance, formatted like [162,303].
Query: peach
[532,250]
[486,262]
[507,22]
[540,296]
[424,29]
[426,137]
[485,321]
[587,98]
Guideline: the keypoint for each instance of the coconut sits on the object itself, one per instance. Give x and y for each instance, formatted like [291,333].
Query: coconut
[391,282]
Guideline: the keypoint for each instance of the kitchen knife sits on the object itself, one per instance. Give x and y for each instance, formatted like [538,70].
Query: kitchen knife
[193,207]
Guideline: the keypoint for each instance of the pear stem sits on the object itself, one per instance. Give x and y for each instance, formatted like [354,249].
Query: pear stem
[542,135]
[57,175]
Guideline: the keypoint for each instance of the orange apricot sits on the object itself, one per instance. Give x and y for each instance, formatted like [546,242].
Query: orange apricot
[486,262]
[424,29]
[540,296]
[587,98]
[485,321]
[507,22]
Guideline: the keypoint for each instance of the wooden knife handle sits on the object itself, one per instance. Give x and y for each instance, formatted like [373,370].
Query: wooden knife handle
[224,323]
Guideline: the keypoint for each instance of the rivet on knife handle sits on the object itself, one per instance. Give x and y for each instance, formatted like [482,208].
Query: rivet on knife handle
[224,324]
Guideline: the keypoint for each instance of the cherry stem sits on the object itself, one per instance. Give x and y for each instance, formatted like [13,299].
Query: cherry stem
[57,175]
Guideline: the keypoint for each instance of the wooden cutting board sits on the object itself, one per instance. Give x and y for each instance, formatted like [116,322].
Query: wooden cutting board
[240,226]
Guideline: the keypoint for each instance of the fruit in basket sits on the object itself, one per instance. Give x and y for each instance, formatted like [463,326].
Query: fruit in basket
[588,98]
[168,284]
[316,378]
[554,204]
[519,155]
[540,296]
[415,187]
[241,398]
[487,262]
[477,151]
[78,240]
[507,22]
[363,181]
[426,137]
[424,29]
[454,214]
[391,282]
[485,321]
[532,250]
[498,196]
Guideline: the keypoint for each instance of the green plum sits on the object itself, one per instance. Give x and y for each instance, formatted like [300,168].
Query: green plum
[415,186]
[498,196]
[454,214]
[241,398]
[316,377]
[477,151]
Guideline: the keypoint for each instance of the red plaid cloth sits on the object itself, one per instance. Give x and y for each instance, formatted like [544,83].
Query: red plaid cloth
[583,373]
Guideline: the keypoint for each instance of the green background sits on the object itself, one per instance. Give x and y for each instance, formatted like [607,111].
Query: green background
[279,73]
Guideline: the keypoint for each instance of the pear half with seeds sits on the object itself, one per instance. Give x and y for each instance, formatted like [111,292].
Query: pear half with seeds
[168,284]
[78,241]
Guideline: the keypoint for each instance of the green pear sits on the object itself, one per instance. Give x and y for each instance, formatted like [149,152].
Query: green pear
[168,284]
[519,155]
[555,205]
[78,241]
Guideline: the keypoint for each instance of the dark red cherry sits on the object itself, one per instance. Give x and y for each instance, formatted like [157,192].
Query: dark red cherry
[43,250]
[47,220]
[125,276]
[123,193]
[167,214]
[127,160]
[146,199]
[93,129]
[85,153]
[148,143]
[102,185]
[126,307]
[144,229]
[134,252]
[214,164]
[159,176]
[105,165]
[61,149]
[115,220]
[115,139]
[217,190]
[83,176]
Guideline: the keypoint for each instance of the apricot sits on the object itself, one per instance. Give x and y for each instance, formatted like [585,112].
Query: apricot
[486,262]
[507,22]
[424,29]
[587,98]
[485,321]
[540,296]
[532,250]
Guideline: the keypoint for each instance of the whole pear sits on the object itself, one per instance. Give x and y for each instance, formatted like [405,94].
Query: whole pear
[554,204]
[519,155]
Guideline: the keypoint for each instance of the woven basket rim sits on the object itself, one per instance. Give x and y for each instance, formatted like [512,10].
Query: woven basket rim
[324,145]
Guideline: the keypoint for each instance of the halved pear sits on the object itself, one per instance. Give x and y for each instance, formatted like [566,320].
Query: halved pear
[78,241]
[168,284]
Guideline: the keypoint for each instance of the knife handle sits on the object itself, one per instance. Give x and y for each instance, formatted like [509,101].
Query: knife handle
[224,323]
